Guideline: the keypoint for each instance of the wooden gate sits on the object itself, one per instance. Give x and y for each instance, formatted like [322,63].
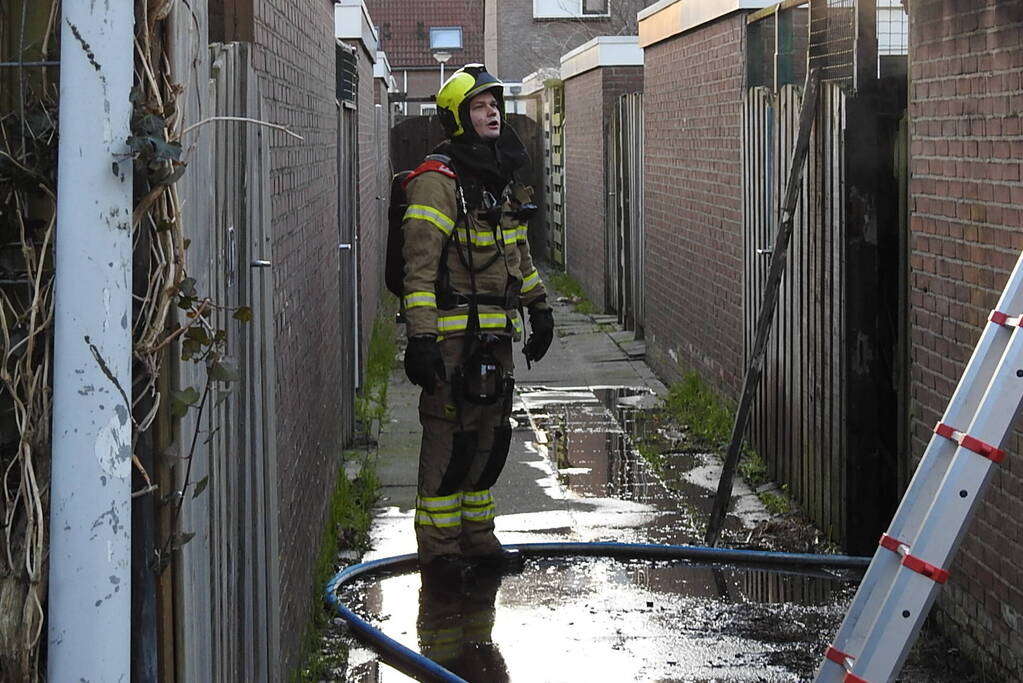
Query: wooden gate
[412,138]
[824,417]
[347,235]
[624,227]
[827,417]
[244,555]
[554,170]
[798,417]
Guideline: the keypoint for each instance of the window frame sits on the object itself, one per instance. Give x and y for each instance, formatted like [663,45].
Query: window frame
[447,48]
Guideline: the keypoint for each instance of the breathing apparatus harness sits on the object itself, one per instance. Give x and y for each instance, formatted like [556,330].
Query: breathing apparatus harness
[480,379]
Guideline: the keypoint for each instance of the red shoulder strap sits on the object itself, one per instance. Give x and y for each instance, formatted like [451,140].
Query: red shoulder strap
[429,165]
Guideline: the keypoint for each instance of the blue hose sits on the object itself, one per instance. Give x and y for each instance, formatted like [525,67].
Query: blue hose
[415,664]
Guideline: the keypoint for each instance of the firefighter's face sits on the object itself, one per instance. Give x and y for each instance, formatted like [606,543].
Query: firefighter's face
[485,113]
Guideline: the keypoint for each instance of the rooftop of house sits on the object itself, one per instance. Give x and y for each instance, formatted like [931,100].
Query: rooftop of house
[407,27]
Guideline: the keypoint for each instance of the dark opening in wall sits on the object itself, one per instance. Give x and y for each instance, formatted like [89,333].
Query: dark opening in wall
[231,20]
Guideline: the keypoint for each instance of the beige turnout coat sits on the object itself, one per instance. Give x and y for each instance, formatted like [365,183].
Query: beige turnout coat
[436,218]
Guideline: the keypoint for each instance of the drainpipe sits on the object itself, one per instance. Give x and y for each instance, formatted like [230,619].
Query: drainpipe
[90,493]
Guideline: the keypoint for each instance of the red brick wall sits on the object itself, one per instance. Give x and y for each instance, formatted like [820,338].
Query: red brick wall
[294,53]
[692,116]
[589,102]
[966,233]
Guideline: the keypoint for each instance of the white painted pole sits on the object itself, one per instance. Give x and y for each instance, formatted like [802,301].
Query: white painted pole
[90,495]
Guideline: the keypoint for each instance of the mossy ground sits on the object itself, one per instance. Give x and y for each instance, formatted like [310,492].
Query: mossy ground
[350,514]
[568,287]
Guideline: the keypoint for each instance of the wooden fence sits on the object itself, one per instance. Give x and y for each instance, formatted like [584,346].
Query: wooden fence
[624,240]
[799,413]
[243,464]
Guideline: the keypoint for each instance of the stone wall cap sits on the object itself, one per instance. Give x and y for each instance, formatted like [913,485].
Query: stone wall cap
[668,18]
[352,22]
[602,51]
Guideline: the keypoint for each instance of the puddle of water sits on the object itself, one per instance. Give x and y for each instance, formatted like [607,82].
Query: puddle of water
[592,437]
[571,619]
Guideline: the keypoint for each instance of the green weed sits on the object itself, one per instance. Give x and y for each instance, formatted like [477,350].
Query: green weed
[347,528]
[569,287]
[351,504]
[753,469]
[776,503]
[695,405]
[371,403]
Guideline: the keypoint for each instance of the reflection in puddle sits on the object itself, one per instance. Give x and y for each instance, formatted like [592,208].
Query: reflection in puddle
[593,436]
[603,619]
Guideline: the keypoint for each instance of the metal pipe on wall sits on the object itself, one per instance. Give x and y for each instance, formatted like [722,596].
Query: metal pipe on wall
[90,509]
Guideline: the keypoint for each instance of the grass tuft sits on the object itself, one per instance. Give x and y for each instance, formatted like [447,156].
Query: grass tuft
[692,403]
[351,503]
[371,403]
[569,287]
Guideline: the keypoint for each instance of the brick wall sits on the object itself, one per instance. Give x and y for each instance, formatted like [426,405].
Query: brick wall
[524,44]
[692,116]
[294,53]
[966,233]
[589,102]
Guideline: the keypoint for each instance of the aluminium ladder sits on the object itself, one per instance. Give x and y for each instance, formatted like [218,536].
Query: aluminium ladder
[912,559]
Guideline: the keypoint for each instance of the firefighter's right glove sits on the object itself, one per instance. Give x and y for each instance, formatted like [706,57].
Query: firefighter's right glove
[541,333]
[423,363]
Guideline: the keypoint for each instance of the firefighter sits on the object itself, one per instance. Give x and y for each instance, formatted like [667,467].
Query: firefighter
[468,277]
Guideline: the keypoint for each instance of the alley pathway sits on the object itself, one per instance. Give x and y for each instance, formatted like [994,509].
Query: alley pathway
[572,475]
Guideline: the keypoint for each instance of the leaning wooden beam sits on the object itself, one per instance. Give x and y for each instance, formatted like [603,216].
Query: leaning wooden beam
[807,113]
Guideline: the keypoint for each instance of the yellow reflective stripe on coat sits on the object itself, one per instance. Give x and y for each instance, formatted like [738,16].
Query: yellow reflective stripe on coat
[446,324]
[517,234]
[530,282]
[480,238]
[430,215]
[416,299]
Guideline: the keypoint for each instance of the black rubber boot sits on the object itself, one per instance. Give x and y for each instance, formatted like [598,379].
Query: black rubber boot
[502,562]
[444,571]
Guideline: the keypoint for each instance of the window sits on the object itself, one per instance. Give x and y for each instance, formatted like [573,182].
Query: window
[347,72]
[570,9]
[427,109]
[446,38]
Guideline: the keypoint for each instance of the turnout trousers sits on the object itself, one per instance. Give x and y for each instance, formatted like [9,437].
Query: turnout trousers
[463,451]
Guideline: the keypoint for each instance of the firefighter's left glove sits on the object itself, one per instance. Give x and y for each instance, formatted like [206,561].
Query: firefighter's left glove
[541,333]
[423,363]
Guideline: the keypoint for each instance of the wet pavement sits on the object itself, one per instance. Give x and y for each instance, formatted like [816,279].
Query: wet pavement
[575,474]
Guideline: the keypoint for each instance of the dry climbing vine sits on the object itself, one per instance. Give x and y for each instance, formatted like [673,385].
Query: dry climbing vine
[28,172]
[169,315]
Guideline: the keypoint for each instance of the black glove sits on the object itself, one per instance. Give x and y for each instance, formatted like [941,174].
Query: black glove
[541,333]
[423,363]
